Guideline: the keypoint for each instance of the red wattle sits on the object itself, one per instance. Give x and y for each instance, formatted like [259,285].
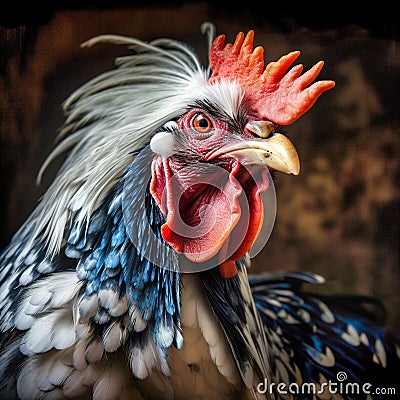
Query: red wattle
[216,213]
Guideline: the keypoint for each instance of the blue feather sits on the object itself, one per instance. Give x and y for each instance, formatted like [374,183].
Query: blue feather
[119,235]
[111,260]
[96,222]
[92,286]
[114,261]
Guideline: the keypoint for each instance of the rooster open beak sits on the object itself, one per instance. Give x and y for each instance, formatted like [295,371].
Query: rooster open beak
[274,150]
[227,200]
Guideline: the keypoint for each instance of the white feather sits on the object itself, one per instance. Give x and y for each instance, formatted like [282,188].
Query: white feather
[351,336]
[64,331]
[208,324]
[5,292]
[222,356]
[120,308]
[137,364]
[25,315]
[31,257]
[162,364]
[143,359]
[88,306]
[60,330]
[64,286]
[178,339]
[59,373]
[42,374]
[162,83]
[53,291]
[44,267]
[26,276]
[165,336]
[40,297]
[136,319]
[52,369]
[23,321]
[31,309]
[196,311]
[381,353]
[21,252]
[35,341]
[14,249]
[26,387]
[114,337]
[108,298]
[82,330]
[364,339]
[327,315]
[189,306]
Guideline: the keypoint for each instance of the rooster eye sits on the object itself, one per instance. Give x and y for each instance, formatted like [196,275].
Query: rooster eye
[201,123]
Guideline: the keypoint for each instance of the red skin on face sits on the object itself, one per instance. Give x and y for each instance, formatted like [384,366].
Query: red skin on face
[211,210]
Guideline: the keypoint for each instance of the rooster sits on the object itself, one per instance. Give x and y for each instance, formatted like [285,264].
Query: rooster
[129,279]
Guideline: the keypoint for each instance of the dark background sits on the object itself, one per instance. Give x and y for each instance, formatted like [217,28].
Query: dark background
[339,218]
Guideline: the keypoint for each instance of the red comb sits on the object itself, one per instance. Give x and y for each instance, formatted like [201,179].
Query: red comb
[274,93]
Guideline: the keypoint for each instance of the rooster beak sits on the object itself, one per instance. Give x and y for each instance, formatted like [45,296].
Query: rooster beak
[273,150]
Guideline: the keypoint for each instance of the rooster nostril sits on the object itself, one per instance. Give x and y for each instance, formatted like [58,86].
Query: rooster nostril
[263,129]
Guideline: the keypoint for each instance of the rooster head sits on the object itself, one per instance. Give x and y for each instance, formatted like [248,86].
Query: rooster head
[211,162]
[210,135]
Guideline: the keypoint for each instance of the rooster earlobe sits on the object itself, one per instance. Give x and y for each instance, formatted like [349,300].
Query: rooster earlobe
[163,143]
